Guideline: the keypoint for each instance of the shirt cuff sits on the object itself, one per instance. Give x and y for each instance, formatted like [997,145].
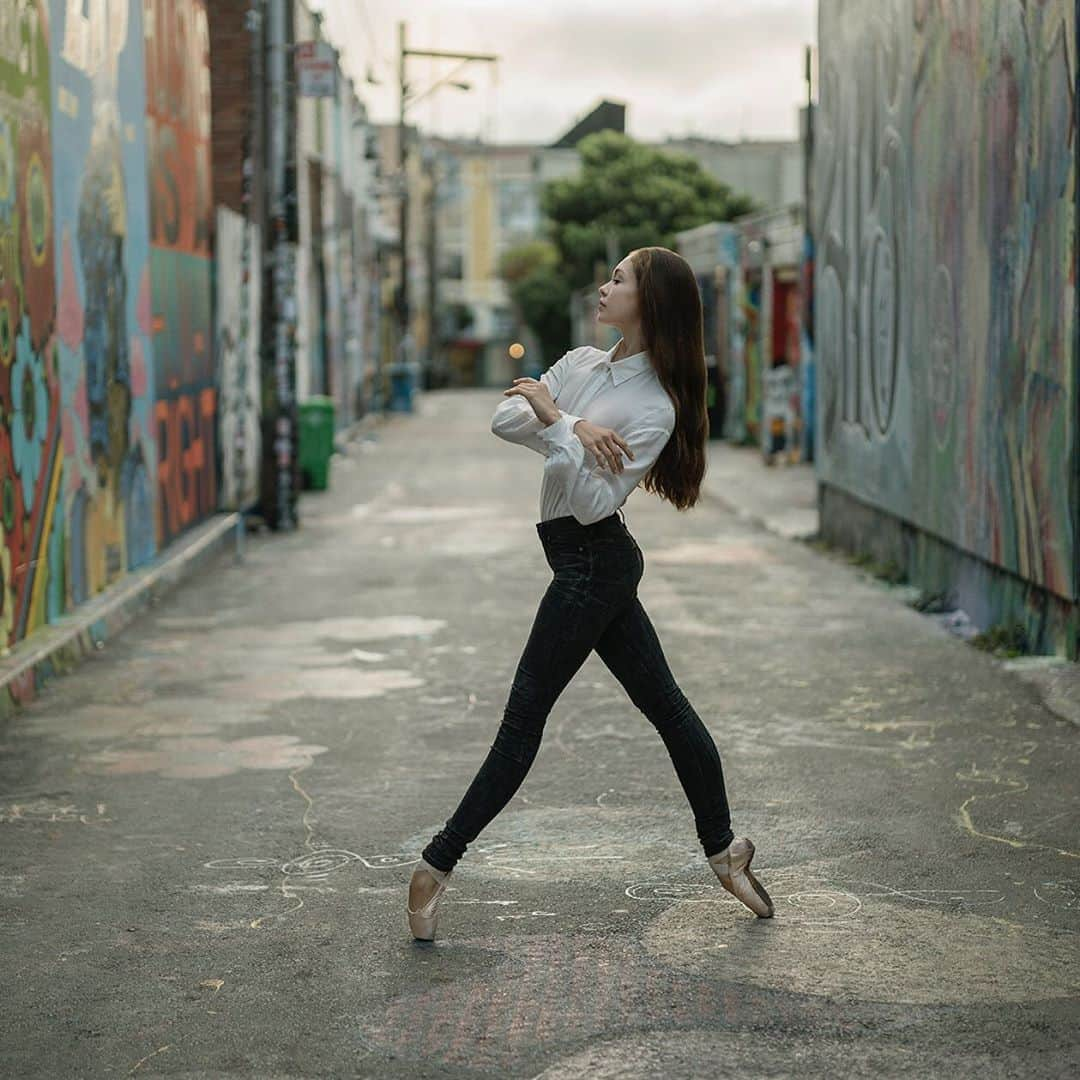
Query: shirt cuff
[561,432]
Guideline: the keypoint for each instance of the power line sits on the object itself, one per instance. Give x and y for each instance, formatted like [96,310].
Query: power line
[383,62]
[345,12]
[368,29]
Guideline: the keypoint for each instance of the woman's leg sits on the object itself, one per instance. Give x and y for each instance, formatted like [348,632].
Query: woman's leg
[632,652]
[564,631]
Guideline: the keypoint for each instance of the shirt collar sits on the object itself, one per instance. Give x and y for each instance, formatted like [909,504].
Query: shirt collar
[627,367]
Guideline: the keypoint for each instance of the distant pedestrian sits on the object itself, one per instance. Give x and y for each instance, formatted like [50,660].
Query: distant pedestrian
[645,398]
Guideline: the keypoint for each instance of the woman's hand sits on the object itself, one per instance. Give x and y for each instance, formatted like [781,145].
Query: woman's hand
[538,396]
[604,444]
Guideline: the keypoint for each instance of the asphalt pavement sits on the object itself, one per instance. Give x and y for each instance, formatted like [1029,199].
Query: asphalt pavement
[207,829]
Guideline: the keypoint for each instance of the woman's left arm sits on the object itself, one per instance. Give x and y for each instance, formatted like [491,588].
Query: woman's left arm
[592,490]
[514,419]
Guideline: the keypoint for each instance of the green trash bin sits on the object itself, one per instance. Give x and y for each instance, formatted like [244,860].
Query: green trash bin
[316,441]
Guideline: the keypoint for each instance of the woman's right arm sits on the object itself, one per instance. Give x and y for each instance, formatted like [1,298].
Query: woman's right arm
[594,491]
[514,419]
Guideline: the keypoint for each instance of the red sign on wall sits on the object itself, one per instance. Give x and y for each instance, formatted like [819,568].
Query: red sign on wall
[316,69]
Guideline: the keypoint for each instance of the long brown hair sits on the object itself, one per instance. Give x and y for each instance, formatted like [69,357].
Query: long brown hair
[673,334]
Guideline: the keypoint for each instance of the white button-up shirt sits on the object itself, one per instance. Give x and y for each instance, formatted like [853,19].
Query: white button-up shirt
[625,395]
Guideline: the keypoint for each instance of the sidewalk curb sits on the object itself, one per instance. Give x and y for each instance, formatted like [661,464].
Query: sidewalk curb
[799,526]
[762,521]
[58,647]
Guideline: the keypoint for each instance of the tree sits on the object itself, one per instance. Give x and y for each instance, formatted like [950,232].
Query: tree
[635,195]
[541,292]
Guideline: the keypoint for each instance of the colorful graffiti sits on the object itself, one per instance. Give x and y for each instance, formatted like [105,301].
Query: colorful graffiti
[752,321]
[945,190]
[103,314]
[181,221]
[82,442]
[29,382]
[781,406]
[239,287]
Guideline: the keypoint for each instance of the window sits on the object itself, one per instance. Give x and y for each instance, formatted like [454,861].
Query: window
[519,209]
[503,322]
[452,265]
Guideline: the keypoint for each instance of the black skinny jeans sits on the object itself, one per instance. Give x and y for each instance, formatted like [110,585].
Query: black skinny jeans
[591,603]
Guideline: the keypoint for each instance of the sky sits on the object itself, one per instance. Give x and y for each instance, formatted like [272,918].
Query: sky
[726,69]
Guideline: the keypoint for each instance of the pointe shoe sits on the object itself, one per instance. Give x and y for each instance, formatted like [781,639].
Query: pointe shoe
[732,867]
[425,892]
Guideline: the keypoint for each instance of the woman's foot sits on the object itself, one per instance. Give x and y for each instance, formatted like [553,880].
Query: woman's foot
[425,891]
[732,867]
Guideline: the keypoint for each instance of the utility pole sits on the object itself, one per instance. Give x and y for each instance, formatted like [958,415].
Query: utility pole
[403,222]
[279,283]
[432,259]
[252,214]
[808,363]
[403,102]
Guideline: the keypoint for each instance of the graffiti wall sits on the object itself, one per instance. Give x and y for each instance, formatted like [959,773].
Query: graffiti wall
[945,256]
[732,335]
[30,457]
[238,261]
[808,381]
[98,210]
[103,317]
[751,302]
[181,221]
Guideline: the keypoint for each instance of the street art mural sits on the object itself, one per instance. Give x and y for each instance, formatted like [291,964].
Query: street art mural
[751,302]
[30,460]
[103,320]
[781,406]
[181,222]
[107,396]
[239,285]
[945,255]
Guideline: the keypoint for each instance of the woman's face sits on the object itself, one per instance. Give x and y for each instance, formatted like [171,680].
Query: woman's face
[619,297]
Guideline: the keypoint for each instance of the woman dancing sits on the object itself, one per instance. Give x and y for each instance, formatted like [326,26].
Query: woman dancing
[644,400]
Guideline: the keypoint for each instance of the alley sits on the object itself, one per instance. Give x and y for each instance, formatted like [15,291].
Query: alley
[206,831]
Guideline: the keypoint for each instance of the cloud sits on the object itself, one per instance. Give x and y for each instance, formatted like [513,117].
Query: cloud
[717,69]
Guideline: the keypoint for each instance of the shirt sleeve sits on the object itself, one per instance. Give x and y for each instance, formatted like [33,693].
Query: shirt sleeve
[593,491]
[514,419]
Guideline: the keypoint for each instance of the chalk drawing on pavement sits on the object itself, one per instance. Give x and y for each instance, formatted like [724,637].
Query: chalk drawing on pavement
[316,864]
[50,810]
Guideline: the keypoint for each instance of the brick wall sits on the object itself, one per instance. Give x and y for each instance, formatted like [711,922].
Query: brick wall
[231,95]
